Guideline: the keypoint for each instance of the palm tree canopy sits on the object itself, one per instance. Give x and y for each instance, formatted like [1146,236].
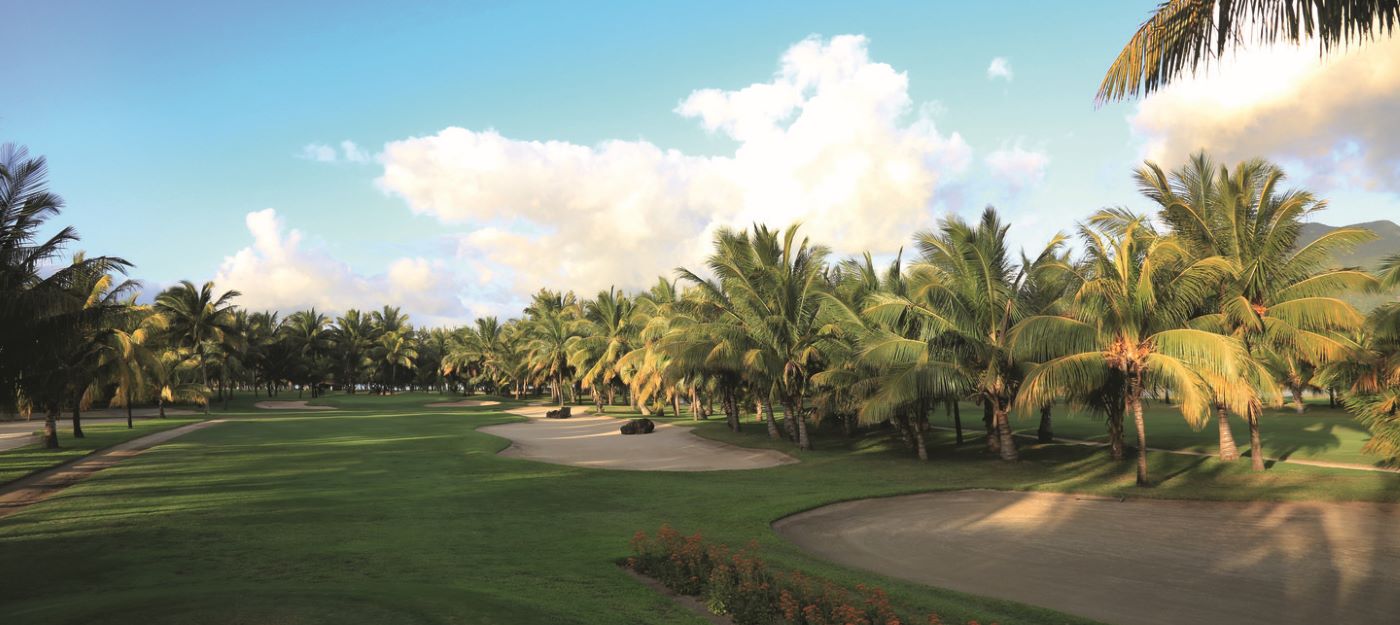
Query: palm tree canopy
[1182,36]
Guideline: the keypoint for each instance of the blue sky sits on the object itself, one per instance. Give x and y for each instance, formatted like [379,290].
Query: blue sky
[167,123]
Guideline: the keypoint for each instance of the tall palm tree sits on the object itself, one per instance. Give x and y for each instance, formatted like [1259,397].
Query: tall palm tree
[309,334]
[948,336]
[611,333]
[199,321]
[42,317]
[771,284]
[548,339]
[396,349]
[1280,301]
[1182,36]
[1129,323]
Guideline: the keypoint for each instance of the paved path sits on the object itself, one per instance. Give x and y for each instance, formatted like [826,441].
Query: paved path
[47,483]
[1133,562]
[594,442]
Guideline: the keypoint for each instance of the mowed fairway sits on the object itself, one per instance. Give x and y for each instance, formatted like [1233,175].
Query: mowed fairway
[385,512]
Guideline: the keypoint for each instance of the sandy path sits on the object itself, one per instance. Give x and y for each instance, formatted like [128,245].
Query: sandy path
[290,405]
[594,442]
[47,483]
[465,403]
[1134,562]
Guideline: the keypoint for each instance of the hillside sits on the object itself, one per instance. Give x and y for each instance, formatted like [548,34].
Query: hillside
[1366,256]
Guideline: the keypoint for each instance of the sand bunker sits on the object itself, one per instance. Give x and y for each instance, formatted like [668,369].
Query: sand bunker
[289,405]
[465,403]
[1134,562]
[594,442]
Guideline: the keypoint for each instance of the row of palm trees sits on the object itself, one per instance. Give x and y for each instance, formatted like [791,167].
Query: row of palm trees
[1211,304]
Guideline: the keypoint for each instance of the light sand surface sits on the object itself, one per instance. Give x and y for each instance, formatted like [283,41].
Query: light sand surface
[40,486]
[1133,562]
[290,405]
[594,442]
[465,403]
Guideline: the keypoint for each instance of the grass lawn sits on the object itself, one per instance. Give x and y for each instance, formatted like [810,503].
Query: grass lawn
[386,512]
[1320,433]
[21,461]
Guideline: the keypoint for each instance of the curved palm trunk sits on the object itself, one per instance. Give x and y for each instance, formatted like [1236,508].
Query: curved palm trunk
[1134,404]
[51,427]
[765,408]
[1046,432]
[731,410]
[78,419]
[1006,444]
[1228,451]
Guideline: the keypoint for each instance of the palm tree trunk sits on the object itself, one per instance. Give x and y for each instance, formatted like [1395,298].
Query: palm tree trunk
[920,446]
[765,408]
[51,427]
[788,423]
[1046,432]
[1256,444]
[1228,451]
[204,379]
[77,419]
[1297,399]
[1006,444]
[1331,397]
[731,409]
[160,402]
[559,387]
[989,422]
[957,422]
[598,399]
[676,403]
[1135,405]
[128,410]
[1115,433]
[803,440]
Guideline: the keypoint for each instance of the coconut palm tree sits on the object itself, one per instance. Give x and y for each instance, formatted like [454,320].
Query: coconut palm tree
[610,333]
[1182,36]
[198,320]
[394,350]
[1280,301]
[948,336]
[770,285]
[1129,323]
[1371,376]
[44,320]
[548,337]
[309,334]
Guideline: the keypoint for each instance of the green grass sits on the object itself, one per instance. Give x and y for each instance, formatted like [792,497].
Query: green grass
[1320,433]
[387,512]
[21,461]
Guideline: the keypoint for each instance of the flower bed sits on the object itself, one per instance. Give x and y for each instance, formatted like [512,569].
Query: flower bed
[737,583]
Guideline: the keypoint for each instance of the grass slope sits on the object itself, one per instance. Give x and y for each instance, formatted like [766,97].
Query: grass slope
[387,512]
[21,461]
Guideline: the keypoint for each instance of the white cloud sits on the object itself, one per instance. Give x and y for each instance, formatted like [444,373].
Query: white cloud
[829,141]
[322,153]
[1017,167]
[318,152]
[1332,119]
[278,272]
[1000,68]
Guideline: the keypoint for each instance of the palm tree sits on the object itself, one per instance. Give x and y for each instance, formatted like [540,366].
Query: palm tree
[199,321]
[1184,35]
[1371,376]
[771,286]
[396,349]
[1279,302]
[609,335]
[309,335]
[1129,324]
[548,339]
[42,317]
[948,336]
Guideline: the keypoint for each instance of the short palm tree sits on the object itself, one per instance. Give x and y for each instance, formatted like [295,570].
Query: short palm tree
[199,321]
[1128,328]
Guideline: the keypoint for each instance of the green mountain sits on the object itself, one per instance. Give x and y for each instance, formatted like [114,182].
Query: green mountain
[1366,256]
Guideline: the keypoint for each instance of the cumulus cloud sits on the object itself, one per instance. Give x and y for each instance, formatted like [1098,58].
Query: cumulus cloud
[1333,119]
[279,272]
[349,152]
[831,140]
[1017,167]
[1000,68]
